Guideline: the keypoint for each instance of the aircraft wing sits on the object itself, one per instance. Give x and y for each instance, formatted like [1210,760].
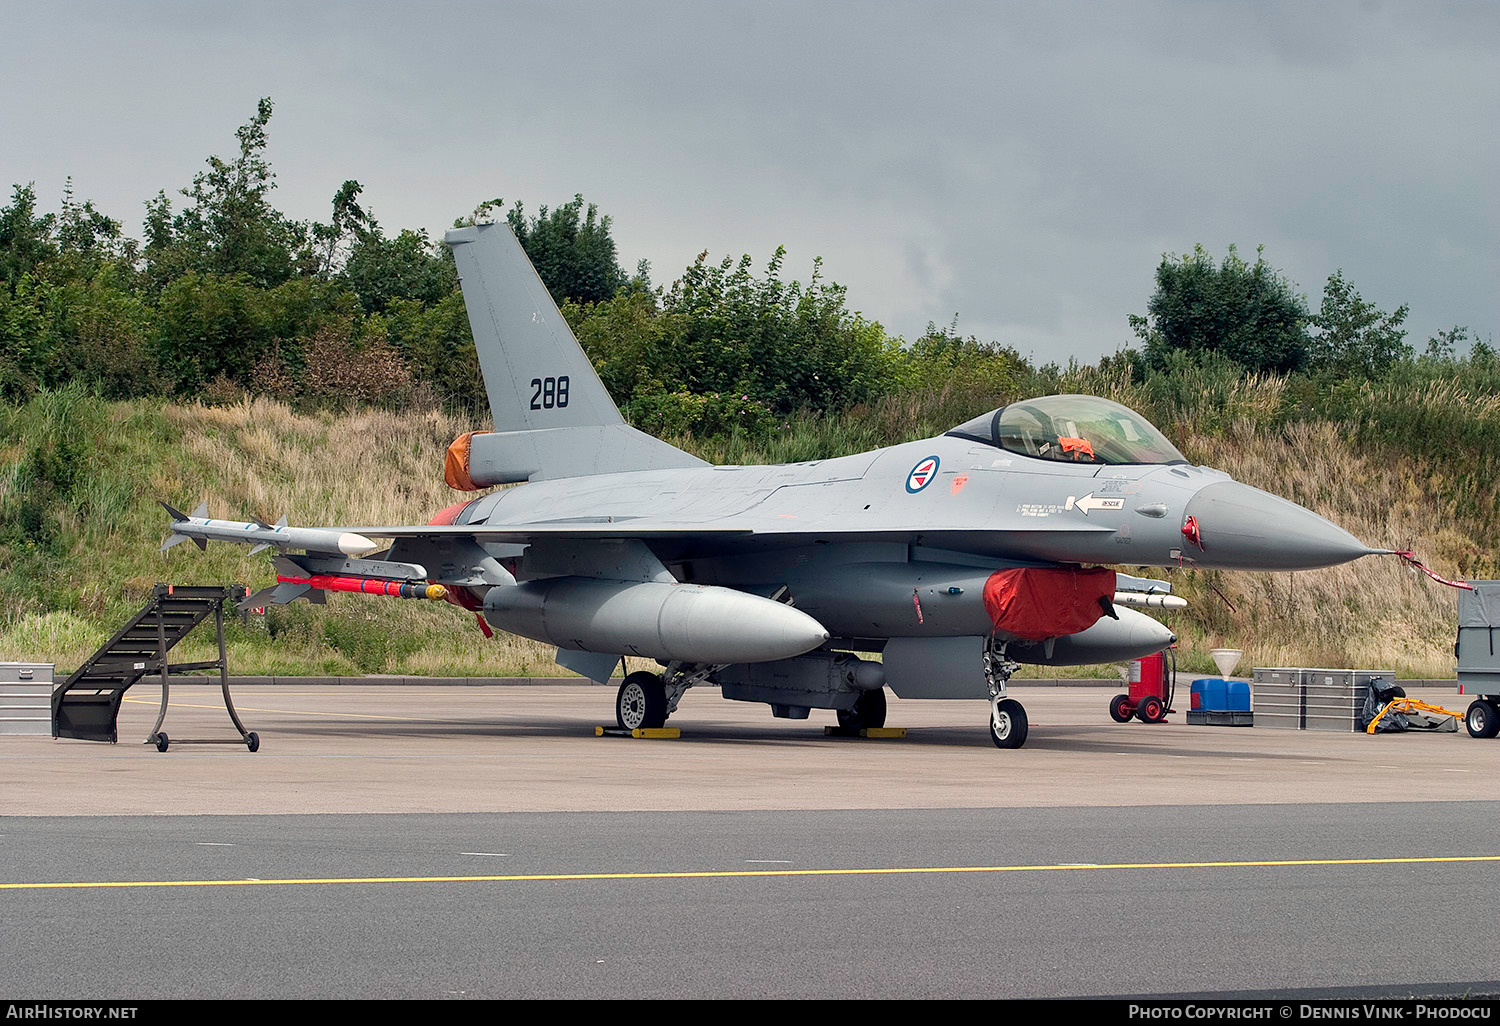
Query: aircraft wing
[521,533]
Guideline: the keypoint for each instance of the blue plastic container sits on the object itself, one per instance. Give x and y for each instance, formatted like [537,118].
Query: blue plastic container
[1209,694]
[1239,695]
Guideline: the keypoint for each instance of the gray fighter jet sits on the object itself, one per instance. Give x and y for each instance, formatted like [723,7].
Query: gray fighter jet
[955,558]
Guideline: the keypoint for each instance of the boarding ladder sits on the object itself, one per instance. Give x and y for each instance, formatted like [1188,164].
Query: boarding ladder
[87,705]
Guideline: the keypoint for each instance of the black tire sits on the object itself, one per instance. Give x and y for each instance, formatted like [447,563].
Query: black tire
[1151,710]
[641,702]
[161,741]
[252,741]
[1482,719]
[1011,731]
[1120,709]
[868,711]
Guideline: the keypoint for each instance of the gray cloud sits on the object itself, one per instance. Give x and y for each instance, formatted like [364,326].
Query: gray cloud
[1022,165]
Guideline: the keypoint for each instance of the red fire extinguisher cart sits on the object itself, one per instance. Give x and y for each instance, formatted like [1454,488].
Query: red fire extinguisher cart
[1153,680]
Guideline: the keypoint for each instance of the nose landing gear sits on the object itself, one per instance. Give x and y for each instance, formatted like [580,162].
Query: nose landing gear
[1008,725]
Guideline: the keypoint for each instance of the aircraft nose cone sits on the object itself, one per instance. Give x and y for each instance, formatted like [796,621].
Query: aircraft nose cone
[1244,528]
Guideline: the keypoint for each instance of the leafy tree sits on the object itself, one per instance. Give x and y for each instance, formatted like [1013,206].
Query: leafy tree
[328,244]
[943,359]
[571,249]
[1355,338]
[435,342]
[229,226]
[381,270]
[624,338]
[1247,312]
[1443,346]
[210,326]
[84,231]
[26,240]
[104,329]
[789,345]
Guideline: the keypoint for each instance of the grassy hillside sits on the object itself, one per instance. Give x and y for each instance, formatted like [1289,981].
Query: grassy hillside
[80,527]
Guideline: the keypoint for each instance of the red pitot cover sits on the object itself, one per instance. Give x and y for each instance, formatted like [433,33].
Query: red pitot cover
[1035,603]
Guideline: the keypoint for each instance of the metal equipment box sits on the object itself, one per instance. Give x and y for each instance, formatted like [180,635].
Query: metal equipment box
[1277,704]
[1477,649]
[1280,675]
[1313,699]
[26,699]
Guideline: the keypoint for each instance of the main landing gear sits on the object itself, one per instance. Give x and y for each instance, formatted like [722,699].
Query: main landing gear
[646,699]
[1008,726]
[641,701]
[868,711]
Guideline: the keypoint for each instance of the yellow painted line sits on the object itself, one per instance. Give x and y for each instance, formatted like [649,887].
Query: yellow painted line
[728,873]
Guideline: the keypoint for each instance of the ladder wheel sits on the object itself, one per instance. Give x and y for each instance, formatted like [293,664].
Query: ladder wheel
[160,740]
[252,741]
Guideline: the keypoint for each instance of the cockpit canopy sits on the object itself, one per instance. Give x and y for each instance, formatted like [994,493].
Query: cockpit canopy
[1072,429]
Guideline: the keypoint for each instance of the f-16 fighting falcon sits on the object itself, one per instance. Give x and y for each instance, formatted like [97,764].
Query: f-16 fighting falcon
[956,558]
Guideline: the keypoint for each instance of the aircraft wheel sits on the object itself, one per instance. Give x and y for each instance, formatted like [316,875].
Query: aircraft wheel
[641,702]
[1482,719]
[160,740]
[868,711]
[1151,710]
[1120,709]
[252,741]
[1008,725]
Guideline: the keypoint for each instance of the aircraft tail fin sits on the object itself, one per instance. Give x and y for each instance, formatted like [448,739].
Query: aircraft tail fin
[553,416]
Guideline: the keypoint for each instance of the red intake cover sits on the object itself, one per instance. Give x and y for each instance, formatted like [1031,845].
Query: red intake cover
[1035,603]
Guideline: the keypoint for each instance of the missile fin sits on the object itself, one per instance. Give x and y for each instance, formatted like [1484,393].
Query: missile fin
[282,521]
[280,595]
[260,548]
[201,511]
[175,513]
[286,566]
[172,540]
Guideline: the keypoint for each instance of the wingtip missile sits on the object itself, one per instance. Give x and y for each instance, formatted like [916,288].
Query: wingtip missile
[201,529]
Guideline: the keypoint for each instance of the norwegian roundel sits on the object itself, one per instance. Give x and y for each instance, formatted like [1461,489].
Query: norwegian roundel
[922,474]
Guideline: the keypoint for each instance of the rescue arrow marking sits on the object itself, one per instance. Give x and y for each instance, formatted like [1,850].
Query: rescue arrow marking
[1091,502]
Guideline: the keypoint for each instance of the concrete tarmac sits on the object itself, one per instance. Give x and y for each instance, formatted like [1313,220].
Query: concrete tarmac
[481,842]
[533,749]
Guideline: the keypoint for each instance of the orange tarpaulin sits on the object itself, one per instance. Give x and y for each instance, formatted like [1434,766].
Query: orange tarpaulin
[456,463]
[1035,603]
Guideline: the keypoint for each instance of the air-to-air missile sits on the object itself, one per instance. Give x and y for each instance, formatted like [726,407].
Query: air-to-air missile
[198,528]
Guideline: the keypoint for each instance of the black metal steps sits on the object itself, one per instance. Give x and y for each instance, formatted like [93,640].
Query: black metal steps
[87,705]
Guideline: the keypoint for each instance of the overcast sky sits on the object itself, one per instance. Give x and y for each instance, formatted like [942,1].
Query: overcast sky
[1021,165]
